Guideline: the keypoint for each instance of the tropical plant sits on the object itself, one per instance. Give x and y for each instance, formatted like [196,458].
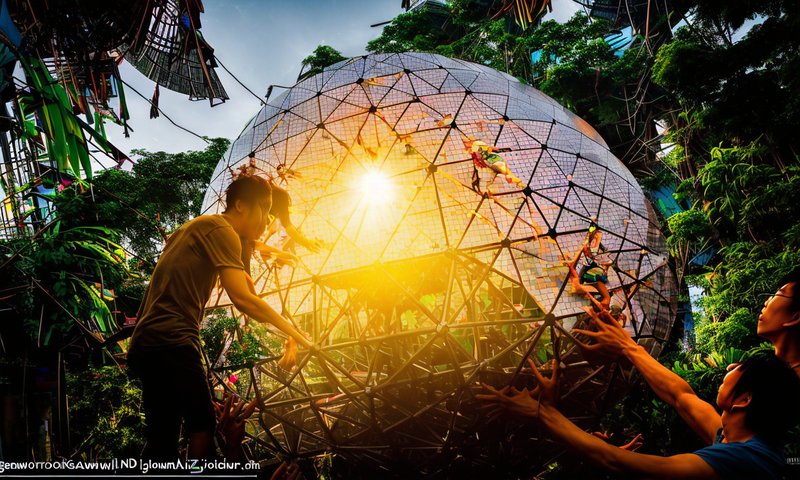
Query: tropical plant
[105,408]
[322,57]
[59,282]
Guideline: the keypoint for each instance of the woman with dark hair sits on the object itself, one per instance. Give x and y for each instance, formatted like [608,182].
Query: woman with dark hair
[279,217]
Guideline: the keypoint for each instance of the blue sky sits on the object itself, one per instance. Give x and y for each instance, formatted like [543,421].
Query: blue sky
[262,42]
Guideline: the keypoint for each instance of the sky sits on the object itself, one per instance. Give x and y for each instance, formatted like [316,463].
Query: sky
[262,42]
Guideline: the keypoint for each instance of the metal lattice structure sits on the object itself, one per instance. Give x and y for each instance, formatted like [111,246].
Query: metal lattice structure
[453,201]
[53,121]
[173,54]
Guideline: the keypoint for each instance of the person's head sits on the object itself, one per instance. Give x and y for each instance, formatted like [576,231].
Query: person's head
[767,391]
[281,201]
[781,311]
[248,200]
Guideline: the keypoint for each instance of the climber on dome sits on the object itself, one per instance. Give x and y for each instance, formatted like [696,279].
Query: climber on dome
[483,157]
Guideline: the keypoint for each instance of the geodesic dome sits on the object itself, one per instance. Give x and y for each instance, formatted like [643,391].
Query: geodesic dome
[452,200]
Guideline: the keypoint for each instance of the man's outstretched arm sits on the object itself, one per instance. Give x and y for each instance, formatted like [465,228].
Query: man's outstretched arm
[234,281]
[617,460]
[591,448]
[613,340]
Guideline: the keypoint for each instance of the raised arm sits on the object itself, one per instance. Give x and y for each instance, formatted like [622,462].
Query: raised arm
[234,282]
[614,341]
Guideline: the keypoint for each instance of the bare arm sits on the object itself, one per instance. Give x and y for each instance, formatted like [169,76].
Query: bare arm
[247,253]
[600,453]
[593,449]
[296,235]
[282,256]
[614,340]
[234,282]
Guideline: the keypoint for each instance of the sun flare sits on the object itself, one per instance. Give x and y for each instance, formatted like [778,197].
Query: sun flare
[376,187]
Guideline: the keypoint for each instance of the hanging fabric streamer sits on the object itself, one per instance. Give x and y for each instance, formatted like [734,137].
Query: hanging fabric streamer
[154,104]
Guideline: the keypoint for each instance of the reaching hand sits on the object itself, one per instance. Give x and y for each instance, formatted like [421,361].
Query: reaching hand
[511,399]
[612,339]
[286,258]
[289,359]
[632,446]
[546,388]
[526,403]
[313,246]
[286,471]
[231,421]
[281,257]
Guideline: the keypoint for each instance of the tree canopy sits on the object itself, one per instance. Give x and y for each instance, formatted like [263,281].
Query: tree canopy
[322,57]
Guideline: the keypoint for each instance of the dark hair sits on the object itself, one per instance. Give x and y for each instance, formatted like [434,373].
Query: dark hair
[775,389]
[249,189]
[793,277]
[281,201]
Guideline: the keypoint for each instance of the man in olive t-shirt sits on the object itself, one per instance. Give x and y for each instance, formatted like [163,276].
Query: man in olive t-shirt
[165,348]
[182,282]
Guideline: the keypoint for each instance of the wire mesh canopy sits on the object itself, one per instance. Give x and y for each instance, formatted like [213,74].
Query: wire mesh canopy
[467,219]
[174,54]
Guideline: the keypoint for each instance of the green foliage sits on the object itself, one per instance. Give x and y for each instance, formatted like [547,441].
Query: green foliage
[729,178]
[744,88]
[52,277]
[580,70]
[409,32]
[162,192]
[471,36]
[745,270]
[705,334]
[738,329]
[688,226]
[685,191]
[663,178]
[246,344]
[49,281]
[574,47]
[105,413]
[697,75]
[215,332]
[322,57]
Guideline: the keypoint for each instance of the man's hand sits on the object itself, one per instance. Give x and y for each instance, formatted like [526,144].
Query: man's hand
[547,388]
[286,471]
[281,257]
[526,403]
[232,418]
[512,400]
[612,339]
[313,246]
[289,359]
[632,446]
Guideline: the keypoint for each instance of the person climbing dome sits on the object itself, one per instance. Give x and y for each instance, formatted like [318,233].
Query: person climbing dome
[483,157]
